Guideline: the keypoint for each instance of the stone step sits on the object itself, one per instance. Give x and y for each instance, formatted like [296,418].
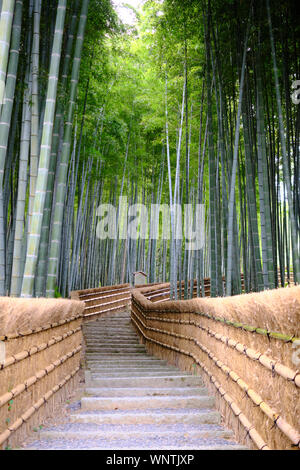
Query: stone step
[121,328]
[117,326]
[141,403]
[119,350]
[134,401]
[112,343]
[128,432]
[124,322]
[111,335]
[113,322]
[144,392]
[94,355]
[122,331]
[150,382]
[117,345]
[107,322]
[140,444]
[111,330]
[114,317]
[113,339]
[126,362]
[104,322]
[124,365]
[130,368]
[104,356]
[113,326]
[133,373]
[136,374]
[148,416]
[127,322]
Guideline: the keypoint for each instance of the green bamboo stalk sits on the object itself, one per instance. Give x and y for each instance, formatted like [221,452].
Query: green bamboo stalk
[40,282]
[220,151]
[41,183]
[233,174]
[264,189]
[34,143]
[16,276]
[20,235]
[285,163]
[172,214]
[61,186]
[6,21]
[6,113]
[251,197]
[212,163]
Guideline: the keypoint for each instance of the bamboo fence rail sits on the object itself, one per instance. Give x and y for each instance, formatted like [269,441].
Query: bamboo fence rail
[103,300]
[41,363]
[242,344]
[249,367]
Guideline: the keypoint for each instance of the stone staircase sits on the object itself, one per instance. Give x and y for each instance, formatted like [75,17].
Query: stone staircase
[132,400]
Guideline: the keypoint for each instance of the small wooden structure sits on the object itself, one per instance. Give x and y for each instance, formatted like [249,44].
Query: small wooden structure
[139,277]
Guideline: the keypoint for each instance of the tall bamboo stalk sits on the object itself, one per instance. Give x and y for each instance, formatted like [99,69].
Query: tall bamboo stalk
[34,143]
[6,114]
[233,173]
[63,168]
[285,162]
[45,149]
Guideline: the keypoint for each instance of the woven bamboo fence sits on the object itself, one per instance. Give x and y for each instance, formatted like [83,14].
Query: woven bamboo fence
[246,348]
[103,301]
[41,341]
[161,292]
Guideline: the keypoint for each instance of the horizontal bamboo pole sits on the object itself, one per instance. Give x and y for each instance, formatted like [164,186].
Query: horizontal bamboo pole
[35,407]
[105,296]
[48,326]
[252,329]
[288,430]
[163,300]
[26,353]
[254,435]
[269,363]
[104,311]
[100,295]
[86,293]
[106,303]
[4,399]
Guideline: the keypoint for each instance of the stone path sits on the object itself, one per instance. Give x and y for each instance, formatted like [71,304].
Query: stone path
[132,400]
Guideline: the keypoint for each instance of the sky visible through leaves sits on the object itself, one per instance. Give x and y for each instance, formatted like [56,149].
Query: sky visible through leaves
[125,13]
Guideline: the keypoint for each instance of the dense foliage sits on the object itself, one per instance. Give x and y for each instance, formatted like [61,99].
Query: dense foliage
[191,104]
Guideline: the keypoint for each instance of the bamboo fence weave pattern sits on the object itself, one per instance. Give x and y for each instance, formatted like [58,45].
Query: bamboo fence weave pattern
[41,364]
[103,300]
[249,368]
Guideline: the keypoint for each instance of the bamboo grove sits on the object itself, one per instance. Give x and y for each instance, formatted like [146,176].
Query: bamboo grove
[196,103]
